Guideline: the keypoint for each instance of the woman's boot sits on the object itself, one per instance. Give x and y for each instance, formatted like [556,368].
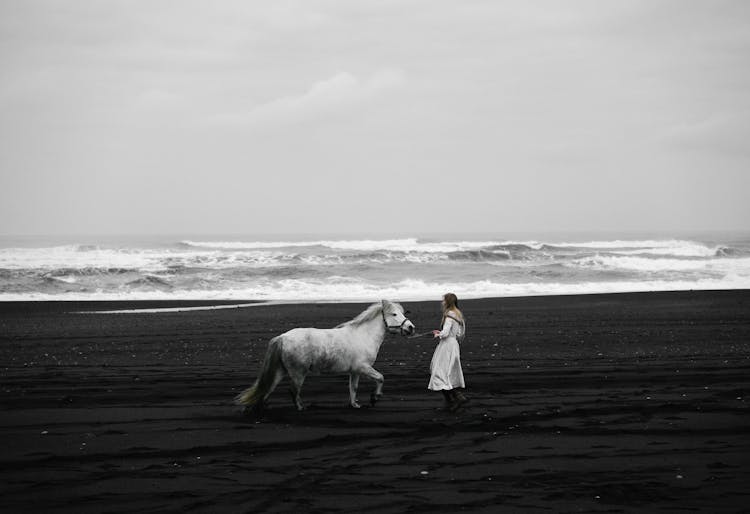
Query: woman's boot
[449,401]
[459,397]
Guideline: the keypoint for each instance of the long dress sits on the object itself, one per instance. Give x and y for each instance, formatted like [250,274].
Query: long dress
[445,368]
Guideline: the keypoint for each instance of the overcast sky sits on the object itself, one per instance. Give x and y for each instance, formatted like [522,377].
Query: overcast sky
[386,117]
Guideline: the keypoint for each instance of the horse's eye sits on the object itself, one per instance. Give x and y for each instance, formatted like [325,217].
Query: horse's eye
[394,314]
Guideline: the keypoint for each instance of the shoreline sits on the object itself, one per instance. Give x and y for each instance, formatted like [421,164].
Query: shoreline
[617,402]
[209,303]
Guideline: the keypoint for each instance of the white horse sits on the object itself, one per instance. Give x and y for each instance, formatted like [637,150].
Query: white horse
[351,347]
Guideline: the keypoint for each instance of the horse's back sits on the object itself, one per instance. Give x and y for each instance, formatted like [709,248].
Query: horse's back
[315,349]
[307,334]
[307,338]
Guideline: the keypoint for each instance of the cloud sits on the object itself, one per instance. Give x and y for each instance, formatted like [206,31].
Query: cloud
[721,134]
[322,98]
[290,17]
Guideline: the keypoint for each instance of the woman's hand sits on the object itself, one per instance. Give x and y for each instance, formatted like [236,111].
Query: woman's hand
[435,333]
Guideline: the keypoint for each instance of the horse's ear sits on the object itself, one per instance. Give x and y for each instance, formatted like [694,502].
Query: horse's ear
[384,303]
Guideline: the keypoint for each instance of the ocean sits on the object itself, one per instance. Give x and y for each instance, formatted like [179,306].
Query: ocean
[365,268]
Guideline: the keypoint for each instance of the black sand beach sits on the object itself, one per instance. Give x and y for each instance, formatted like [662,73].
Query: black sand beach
[600,403]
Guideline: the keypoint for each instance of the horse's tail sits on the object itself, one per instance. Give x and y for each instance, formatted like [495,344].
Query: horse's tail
[267,379]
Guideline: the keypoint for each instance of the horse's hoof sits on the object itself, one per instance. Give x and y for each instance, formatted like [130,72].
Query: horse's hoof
[355,405]
[255,411]
[374,399]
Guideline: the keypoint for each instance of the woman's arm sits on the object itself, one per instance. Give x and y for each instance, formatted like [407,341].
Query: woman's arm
[447,325]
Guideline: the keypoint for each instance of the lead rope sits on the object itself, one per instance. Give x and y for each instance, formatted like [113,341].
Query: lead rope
[463,326]
[420,335]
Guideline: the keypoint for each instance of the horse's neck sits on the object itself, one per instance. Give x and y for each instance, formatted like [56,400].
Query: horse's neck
[372,333]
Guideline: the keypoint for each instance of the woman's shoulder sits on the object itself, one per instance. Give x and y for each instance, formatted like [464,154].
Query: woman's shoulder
[455,314]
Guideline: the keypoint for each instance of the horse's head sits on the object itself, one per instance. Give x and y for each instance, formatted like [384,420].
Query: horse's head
[395,319]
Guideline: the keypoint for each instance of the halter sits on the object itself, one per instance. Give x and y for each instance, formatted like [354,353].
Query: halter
[391,328]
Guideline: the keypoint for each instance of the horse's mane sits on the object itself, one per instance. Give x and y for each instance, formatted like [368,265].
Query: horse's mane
[366,315]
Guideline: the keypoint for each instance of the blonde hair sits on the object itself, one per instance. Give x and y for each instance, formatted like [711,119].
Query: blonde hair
[450,304]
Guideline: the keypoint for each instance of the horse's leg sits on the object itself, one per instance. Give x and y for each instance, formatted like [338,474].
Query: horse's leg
[375,375]
[353,385]
[297,379]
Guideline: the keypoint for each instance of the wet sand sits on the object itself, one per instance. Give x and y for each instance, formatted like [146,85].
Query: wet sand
[600,403]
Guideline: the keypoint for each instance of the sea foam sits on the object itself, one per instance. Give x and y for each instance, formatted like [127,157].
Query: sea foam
[365,269]
[411,290]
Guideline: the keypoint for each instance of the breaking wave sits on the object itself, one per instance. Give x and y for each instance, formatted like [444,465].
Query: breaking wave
[363,269]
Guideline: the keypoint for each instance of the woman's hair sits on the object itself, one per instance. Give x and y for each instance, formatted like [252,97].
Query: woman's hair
[450,303]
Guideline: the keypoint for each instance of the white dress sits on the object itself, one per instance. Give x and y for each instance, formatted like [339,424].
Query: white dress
[445,368]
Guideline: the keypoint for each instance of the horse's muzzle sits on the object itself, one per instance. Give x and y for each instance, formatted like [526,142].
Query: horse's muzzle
[407,328]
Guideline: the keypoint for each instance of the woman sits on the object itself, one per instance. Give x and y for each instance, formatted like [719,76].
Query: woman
[445,368]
